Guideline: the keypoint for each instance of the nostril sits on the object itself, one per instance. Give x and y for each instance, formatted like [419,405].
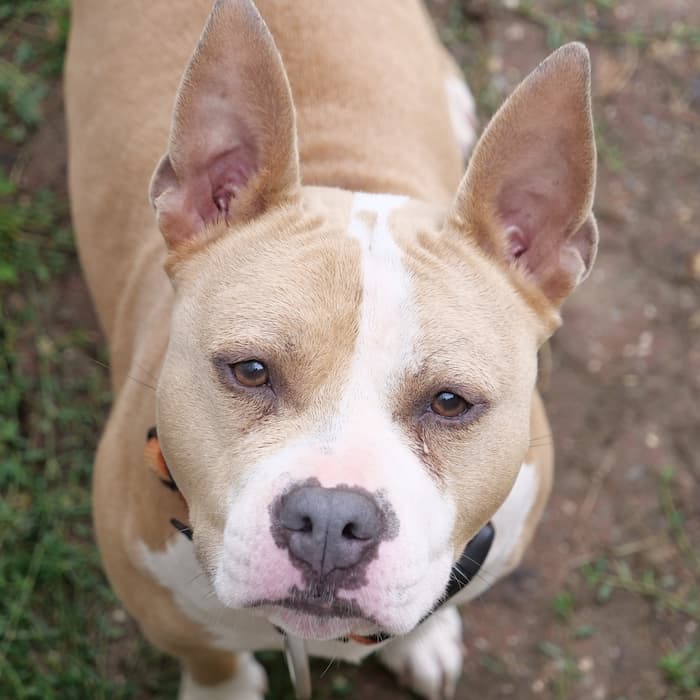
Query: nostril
[307,524]
[352,531]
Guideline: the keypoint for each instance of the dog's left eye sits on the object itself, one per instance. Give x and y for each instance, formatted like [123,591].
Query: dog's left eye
[449,405]
[250,373]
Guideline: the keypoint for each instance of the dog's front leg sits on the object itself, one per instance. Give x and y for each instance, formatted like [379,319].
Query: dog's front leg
[248,682]
[429,659]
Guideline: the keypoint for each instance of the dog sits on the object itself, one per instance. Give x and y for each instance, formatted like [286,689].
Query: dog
[340,322]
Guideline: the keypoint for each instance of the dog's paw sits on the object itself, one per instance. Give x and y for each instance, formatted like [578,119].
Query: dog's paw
[249,683]
[429,660]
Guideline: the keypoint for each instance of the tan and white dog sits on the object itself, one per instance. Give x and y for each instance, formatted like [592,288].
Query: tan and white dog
[345,342]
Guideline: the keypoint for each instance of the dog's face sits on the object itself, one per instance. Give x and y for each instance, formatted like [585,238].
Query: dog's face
[346,344]
[346,395]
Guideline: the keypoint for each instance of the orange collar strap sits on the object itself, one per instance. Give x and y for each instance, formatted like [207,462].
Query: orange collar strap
[158,465]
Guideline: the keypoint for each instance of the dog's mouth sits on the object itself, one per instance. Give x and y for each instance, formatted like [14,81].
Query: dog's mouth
[317,613]
[317,602]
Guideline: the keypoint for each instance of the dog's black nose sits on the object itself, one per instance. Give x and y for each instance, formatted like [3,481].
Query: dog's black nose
[329,529]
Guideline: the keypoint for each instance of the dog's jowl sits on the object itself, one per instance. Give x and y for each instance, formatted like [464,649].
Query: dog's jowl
[343,323]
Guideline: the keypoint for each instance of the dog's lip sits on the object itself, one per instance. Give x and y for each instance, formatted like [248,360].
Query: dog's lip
[330,607]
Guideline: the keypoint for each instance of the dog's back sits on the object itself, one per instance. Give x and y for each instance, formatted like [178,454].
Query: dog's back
[364,85]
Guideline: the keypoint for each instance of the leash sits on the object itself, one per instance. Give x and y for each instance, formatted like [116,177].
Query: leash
[466,568]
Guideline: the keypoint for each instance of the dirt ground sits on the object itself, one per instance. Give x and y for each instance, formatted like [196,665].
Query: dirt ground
[605,604]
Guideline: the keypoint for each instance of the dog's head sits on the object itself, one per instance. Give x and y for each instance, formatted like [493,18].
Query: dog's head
[346,395]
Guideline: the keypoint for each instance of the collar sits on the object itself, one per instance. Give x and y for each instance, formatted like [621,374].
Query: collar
[463,571]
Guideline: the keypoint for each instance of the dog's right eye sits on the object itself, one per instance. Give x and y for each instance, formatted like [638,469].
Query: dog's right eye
[449,405]
[250,373]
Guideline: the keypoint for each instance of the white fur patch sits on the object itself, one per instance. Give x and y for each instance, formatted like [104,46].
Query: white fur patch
[430,659]
[462,110]
[388,323]
[379,207]
[177,569]
[509,523]
[411,569]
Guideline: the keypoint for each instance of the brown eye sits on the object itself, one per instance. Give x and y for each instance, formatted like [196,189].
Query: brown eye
[250,373]
[449,405]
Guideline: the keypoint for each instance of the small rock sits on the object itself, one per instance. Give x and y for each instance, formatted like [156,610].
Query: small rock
[651,440]
[586,664]
[538,686]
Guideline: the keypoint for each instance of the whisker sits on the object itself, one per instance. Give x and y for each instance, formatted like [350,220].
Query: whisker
[479,574]
[195,578]
[328,668]
[138,381]
[101,364]
[144,369]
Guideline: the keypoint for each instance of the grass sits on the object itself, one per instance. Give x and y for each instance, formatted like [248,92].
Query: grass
[55,608]
[33,37]
[56,611]
[681,665]
[580,26]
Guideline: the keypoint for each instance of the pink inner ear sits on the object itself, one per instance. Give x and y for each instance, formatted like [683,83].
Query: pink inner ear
[517,242]
[228,175]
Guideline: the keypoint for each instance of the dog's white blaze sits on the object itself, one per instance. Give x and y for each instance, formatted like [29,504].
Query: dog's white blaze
[381,206]
[385,351]
[509,523]
[388,324]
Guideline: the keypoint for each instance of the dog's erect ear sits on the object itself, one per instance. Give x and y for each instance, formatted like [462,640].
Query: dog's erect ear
[232,150]
[528,190]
